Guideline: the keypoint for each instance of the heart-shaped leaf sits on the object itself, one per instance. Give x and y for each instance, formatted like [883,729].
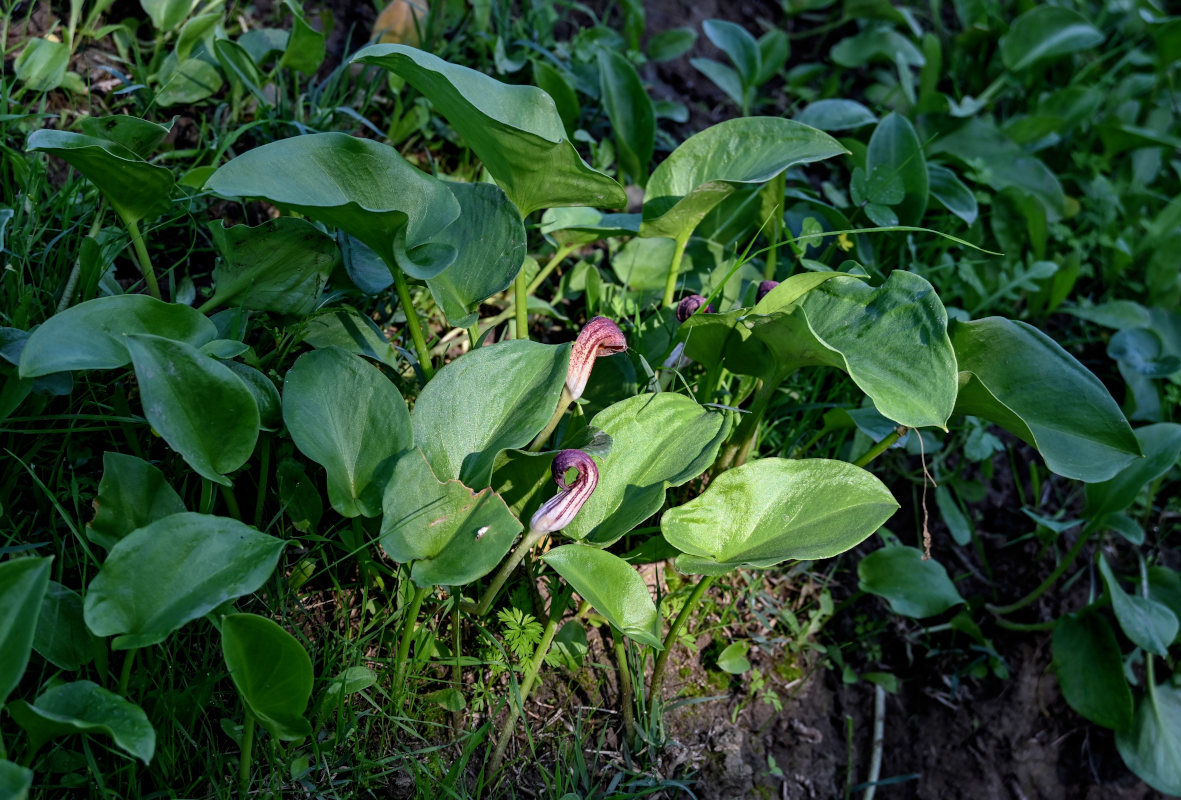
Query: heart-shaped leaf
[197,404]
[489,240]
[582,225]
[135,188]
[85,707]
[1148,623]
[612,586]
[948,189]
[140,136]
[452,534]
[272,673]
[15,780]
[1090,670]
[1152,746]
[62,637]
[657,441]
[281,265]
[166,574]
[775,509]
[353,332]
[1016,376]
[1046,32]
[836,115]
[1161,444]
[350,419]
[515,130]
[357,185]
[892,340]
[90,335]
[707,168]
[23,583]
[461,429]
[913,587]
[131,494]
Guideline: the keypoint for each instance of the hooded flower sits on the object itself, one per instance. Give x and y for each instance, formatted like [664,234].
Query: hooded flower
[764,287]
[600,337]
[559,511]
[688,307]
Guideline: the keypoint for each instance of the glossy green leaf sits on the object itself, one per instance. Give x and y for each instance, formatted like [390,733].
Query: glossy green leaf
[197,404]
[62,637]
[85,707]
[15,780]
[737,43]
[489,241]
[672,43]
[461,430]
[1152,746]
[1164,586]
[281,265]
[555,83]
[657,441]
[629,109]
[515,130]
[1090,670]
[583,225]
[948,189]
[1016,376]
[167,15]
[877,44]
[1148,623]
[733,659]
[1046,32]
[198,31]
[350,419]
[173,571]
[357,185]
[266,396]
[306,47]
[42,65]
[725,78]
[272,673]
[91,335]
[1161,445]
[895,149]
[240,69]
[23,583]
[774,509]
[836,115]
[140,136]
[131,494]
[913,587]
[707,168]
[353,332]
[134,187]
[612,587]
[187,81]
[452,534]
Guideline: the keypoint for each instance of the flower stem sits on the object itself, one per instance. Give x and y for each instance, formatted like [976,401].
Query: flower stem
[738,448]
[506,569]
[563,403]
[521,306]
[125,673]
[670,284]
[1050,580]
[627,693]
[657,681]
[141,253]
[424,355]
[549,267]
[881,447]
[404,637]
[245,759]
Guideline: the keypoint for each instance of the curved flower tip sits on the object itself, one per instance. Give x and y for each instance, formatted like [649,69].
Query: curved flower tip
[559,511]
[688,307]
[600,337]
[764,287]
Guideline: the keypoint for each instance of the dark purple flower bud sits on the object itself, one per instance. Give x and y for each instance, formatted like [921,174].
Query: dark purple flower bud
[688,307]
[559,511]
[764,287]
[600,337]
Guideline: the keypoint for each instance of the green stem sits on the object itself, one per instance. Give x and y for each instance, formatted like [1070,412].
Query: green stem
[531,538]
[563,403]
[1053,577]
[264,469]
[244,759]
[549,267]
[125,673]
[141,252]
[738,448]
[227,495]
[404,637]
[657,680]
[880,447]
[530,678]
[521,306]
[778,185]
[206,502]
[626,691]
[670,284]
[96,226]
[708,387]
[424,355]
